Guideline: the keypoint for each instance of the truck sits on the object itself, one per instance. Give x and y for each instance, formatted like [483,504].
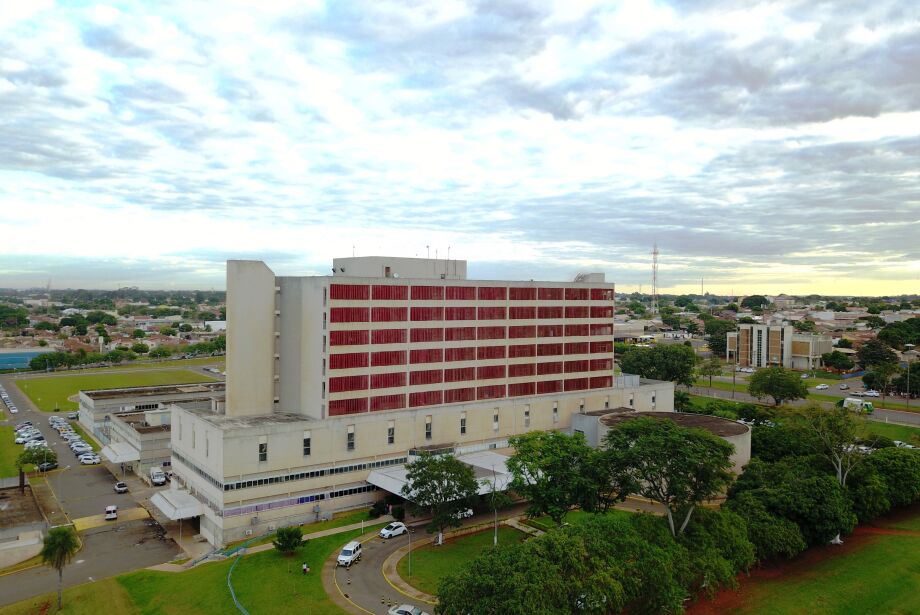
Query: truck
[157,477]
[857,405]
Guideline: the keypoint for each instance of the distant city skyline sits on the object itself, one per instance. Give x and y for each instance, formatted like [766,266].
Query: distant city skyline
[769,148]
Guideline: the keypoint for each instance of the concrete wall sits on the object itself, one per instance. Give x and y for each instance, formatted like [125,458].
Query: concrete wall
[303,344]
[418,268]
[250,338]
[27,544]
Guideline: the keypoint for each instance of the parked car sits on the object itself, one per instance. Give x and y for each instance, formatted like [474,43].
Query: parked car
[24,424]
[46,466]
[406,609]
[73,415]
[804,376]
[90,460]
[394,529]
[14,410]
[111,513]
[350,554]
[465,514]
[36,444]
[821,387]
[120,487]
[844,387]
[871,393]
[82,450]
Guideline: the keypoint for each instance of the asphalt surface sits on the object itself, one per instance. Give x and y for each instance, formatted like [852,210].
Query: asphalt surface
[83,491]
[363,584]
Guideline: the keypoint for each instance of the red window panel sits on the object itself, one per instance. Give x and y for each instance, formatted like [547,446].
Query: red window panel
[347,383]
[460,313]
[490,352]
[389,292]
[388,381]
[521,369]
[492,313]
[576,330]
[452,396]
[427,313]
[577,384]
[351,292]
[459,374]
[599,365]
[516,293]
[549,294]
[601,311]
[577,348]
[459,354]
[576,311]
[602,294]
[548,350]
[425,398]
[461,293]
[428,355]
[389,314]
[521,388]
[601,382]
[490,372]
[549,386]
[522,331]
[554,367]
[549,311]
[348,338]
[428,292]
[493,293]
[348,314]
[492,391]
[457,334]
[490,333]
[522,312]
[388,357]
[522,350]
[348,360]
[573,367]
[388,402]
[602,329]
[576,294]
[427,335]
[601,347]
[389,336]
[347,406]
[428,376]
[549,330]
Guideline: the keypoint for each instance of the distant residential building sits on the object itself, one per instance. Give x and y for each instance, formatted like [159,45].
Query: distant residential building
[783,302]
[776,345]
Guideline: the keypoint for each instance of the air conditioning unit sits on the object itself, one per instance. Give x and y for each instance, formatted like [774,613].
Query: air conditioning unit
[254,521]
[271,528]
[249,532]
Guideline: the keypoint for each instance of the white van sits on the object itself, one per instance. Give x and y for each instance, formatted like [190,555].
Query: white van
[157,477]
[111,513]
[350,554]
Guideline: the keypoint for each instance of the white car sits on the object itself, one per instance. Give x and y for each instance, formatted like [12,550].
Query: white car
[89,460]
[14,410]
[394,529]
[821,387]
[804,376]
[36,444]
[871,393]
[406,609]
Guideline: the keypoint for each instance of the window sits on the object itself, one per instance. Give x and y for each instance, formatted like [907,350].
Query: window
[425,398]
[494,391]
[521,369]
[526,416]
[602,294]
[353,292]
[348,360]
[388,336]
[555,412]
[388,357]
[388,402]
[549,294]
[631,400]
[324,321]
[459,354]
[549,386]
[521,388]
[601,311]
[553,367]
[428,292]
[347,383]
[348,338]
[430,376]
[490,352]
[576,348]
[460,313]
[391,432]
[426,335]
[193,436]
[428,427]
[493,293]
[452,396]
[576,294]
[386,381]
[463,423]
[489,372]
[522,294]
[490,333]
[347,406]
[461,293]
[550,331]
[522,312]
[522,331]
[577,330]
[390,292]
[495,420]
[576,311]
[427,313]
[581,405]
[577,384]
[350,438]
[607,402]
[549,311]
[430,355]
[389,314]
[263,449]
[180,429]
[459,374]
[306,443]
[522,350]
[207,442]
[653,401]
[491,313]
[456,334]
[548,350]
[349,314]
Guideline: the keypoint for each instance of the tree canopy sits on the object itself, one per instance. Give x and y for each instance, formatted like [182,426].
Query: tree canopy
[837,360]
[754,302]
[672,362]
[779,383]
[875,352]
[441,486]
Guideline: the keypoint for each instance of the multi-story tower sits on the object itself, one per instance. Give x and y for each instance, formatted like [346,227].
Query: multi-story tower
[331,377]
[756,345]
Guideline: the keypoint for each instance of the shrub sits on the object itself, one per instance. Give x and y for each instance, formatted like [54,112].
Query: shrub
[399,513]
[379,508]
[288,539]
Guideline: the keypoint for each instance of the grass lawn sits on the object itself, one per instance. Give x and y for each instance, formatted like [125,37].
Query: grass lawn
[264,583]
[151,364]
[573,518]
[911,435]
[338,520]
[903,519]
[8,452]
[50,393]
[430,564]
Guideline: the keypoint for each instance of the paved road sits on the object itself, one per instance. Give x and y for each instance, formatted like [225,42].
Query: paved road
[364,584]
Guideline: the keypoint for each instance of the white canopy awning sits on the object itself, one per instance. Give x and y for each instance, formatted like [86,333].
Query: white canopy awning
[120,452]
[177,504]
[488,466]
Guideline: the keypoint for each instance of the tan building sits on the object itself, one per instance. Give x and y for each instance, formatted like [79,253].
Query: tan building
[331,378]
[756,345]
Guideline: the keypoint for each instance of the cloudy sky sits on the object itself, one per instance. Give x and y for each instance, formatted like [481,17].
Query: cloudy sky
[765,147]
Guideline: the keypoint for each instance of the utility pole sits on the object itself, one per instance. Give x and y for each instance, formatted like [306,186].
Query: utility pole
[655,278]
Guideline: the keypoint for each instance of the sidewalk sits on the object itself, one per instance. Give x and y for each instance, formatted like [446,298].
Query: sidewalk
[129,514]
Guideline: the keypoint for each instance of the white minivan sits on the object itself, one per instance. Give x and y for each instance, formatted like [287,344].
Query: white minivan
[111,513]
[350,554]
[157,477]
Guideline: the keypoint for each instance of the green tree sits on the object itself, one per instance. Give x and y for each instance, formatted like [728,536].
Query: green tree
[874,322]
[161,352]
[754,302]
[875,352]
[677,467]
[185,327]
[879,375]
[288,540]
[779,383]
[140,348]
[46,326]
[441,486]
[717,330]
[32,457]
[682,401]
[773,536]
[672,362]
[550,469]
[59,547]
[138,334]
[711,367]
[900,470]
[167,331]
[844,343]
[837,360]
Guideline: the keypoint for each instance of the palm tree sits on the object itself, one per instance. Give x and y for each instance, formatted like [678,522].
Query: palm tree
[61,543]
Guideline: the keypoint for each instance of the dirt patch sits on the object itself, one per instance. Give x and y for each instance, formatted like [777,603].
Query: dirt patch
[18,509]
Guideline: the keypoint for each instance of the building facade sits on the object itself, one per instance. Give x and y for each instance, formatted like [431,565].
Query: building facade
[754,345]
[330,378]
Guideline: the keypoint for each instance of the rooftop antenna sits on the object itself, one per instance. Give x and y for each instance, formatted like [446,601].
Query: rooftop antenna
[655,278]
[701,286]
[427,252]
[352,250]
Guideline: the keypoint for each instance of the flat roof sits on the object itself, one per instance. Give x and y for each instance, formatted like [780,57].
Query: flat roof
[162,389]
[712,424]
[223,421]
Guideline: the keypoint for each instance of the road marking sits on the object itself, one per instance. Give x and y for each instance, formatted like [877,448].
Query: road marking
[399,590]
[335,580]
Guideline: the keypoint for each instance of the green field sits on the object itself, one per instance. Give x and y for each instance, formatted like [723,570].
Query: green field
[338,520]
[162,364]
[430,564]
[573,518]
[904,433]
[264,583]
[8,452]
[50,393]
